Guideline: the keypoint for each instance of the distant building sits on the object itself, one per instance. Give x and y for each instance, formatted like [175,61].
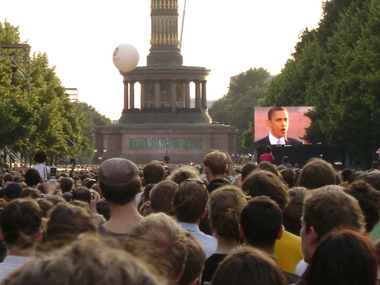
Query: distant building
[72,93]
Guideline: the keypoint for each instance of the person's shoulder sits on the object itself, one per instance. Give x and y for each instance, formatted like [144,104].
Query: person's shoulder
[293,141]
[263,141]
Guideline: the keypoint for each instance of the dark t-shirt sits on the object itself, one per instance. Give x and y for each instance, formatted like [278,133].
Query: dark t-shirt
[102,231]
[211,265]
[216,183]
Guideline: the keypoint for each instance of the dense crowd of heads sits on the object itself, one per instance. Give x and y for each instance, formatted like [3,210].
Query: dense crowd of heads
[215,223]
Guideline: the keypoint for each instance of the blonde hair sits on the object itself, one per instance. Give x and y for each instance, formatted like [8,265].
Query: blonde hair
[161,242]
[86,261]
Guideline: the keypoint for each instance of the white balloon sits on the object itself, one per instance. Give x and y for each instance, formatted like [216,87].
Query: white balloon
[125,57]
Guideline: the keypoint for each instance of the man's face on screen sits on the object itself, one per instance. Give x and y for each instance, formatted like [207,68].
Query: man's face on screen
[279,124]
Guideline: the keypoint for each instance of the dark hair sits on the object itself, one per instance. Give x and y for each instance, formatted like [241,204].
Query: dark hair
[275,109]
[369,201]
[346,173]
[372,178]
[103,208]
[121,195]
[285,159]
[40,156]
[329,208]
[261,221]
[153,172]
[246,266]
[344,257]
[82,193]
[247,169]
[20,223]
[268,149]
[288,175]
[293,211]
[32,177]
[66,184]
[317,173]
[268,184]
[189,201]
[266,165]
[66,222]
[161,197]
[195,260]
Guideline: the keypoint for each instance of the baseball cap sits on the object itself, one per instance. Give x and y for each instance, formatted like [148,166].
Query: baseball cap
[13,190]
[117,172]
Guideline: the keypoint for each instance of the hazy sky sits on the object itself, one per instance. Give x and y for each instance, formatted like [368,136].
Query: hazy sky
[227,37]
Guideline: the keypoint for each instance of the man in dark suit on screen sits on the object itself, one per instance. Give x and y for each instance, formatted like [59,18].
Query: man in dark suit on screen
[278,121]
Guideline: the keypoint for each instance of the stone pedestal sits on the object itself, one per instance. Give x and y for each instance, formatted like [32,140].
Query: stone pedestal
[142,143]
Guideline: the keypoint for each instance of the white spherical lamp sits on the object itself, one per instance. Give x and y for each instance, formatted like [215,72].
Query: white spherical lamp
[125,57]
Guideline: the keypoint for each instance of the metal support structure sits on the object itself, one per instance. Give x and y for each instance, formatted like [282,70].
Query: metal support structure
[22,67]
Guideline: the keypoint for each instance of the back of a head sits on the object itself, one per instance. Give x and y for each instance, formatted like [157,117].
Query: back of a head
[268,149]
[66,221]
[266,183]
[292,213]
[20,223]
[317,173]
[285,159]
[346,173]
[12,191]
[216,161]
[153,172]
[288,175]
[183,173]
[194,262]
[86,261]
[32,177]
[265,165]
[82,193]
[225,205]
[40,156]
[369,201]
[189,201]
[372,178]
[329,208]
[247,169]
[161,197]
[246,266]
[30,192]
[119,180]
[344,257]
[161,242]
[261,222]
[66,184]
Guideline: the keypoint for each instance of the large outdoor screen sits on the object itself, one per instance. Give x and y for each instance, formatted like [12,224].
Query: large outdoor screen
[297,123]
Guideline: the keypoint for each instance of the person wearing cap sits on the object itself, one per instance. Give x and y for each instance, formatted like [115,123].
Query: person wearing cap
[12,191]
[119,183]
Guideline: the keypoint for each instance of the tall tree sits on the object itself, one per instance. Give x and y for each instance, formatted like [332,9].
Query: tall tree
[335,68]
[237,106]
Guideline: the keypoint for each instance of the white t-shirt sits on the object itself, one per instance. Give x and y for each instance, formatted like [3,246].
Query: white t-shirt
[43,170]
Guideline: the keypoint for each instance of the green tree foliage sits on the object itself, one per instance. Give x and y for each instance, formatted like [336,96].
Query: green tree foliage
[91,119]
[336,69]
[237,106]
[35,111]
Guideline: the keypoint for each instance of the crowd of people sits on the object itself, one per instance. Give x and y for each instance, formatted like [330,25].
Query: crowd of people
[215,224]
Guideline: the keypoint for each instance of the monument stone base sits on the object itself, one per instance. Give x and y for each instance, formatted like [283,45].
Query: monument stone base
[183,143]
